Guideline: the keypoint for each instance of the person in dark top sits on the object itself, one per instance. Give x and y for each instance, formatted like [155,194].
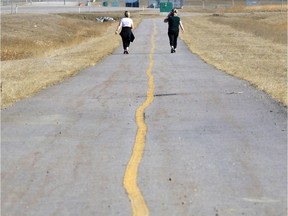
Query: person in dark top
[174,22]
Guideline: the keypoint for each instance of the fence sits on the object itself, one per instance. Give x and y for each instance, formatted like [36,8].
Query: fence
[156,3]
[213,3]
[230,3]
[24,2]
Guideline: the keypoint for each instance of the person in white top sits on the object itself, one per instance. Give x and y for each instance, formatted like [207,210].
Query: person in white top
[126,26]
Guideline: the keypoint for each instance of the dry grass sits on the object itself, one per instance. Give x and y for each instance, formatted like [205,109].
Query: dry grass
[244,46]
[271,27]
[225,6]
[257,8]
[61,45]
[25,36]
[57,49]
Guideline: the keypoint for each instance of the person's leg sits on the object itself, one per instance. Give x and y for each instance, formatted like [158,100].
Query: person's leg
[175,40]
[125,39]
[128,40]
[126,43]
[123,42]
[171,40]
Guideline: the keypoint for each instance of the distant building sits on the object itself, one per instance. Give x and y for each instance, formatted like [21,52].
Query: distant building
[175,3]
[251,2]
[131,3]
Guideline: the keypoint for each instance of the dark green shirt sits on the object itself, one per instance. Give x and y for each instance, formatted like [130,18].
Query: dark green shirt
[173,22]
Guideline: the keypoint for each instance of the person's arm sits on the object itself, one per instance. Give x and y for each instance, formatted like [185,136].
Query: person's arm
[132,25]
[181,26]
[118,27]
[166,18]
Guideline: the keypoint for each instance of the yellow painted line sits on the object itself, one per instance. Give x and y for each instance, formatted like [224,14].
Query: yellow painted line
[138,203]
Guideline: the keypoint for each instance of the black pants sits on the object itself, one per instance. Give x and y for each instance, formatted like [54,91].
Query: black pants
[126,37]
[173,37]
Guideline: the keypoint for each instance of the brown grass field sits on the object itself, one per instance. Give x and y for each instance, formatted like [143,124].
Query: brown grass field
[40,51]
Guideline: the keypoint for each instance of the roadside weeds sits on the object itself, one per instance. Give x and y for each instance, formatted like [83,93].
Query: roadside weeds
[240,52]
[225,42]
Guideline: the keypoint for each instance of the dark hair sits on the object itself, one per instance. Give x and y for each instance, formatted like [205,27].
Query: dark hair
[173,12]
[126,14]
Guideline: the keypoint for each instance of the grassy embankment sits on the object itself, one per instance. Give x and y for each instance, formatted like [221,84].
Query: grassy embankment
[41,50]
[242,45]
[251,46]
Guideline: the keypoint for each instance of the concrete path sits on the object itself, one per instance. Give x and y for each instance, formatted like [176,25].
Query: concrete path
[214,145]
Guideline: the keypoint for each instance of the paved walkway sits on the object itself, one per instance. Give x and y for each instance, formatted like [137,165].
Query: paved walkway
[213,146]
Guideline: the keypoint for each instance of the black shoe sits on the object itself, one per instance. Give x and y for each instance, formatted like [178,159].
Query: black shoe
[173,50]
[125,52]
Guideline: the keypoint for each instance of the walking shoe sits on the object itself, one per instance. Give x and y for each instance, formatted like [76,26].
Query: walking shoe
[125,52]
